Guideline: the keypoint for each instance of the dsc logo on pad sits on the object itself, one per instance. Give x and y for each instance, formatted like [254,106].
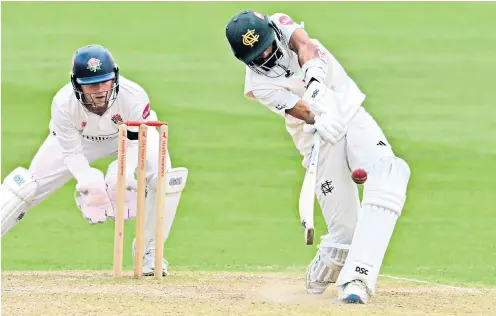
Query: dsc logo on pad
[361,270]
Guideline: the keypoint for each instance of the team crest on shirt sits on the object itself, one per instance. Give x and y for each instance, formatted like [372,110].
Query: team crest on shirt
[117,119]
[83,124]
[94,64]
[250,38]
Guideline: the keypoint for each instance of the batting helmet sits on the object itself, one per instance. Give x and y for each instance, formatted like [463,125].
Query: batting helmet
[250,34]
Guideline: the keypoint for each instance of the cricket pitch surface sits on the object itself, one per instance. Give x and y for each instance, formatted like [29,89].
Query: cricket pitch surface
[223,293]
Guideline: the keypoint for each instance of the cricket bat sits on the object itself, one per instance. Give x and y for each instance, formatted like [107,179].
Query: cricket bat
[307,193]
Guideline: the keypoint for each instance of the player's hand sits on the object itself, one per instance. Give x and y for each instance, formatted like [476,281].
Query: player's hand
[329,127]
[92,198]
[130,197]
[311,129]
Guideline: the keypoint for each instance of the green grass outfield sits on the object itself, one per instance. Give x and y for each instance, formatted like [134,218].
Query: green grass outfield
[428,71]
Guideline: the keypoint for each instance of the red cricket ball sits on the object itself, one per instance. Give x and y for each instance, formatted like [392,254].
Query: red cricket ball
[359,176]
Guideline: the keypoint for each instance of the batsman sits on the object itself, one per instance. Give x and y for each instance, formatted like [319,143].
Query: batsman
[85,117]
[298,78]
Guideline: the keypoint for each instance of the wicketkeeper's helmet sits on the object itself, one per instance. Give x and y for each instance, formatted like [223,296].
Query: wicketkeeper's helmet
[94,64]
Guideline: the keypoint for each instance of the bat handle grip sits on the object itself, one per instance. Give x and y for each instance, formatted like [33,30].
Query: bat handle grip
[316,139]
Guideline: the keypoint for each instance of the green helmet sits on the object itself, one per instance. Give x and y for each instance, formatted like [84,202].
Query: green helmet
[250,34]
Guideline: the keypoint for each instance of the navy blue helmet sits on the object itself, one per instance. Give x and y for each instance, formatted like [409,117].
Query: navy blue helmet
[91,65]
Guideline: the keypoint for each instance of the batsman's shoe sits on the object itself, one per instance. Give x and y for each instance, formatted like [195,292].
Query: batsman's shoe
[354,292]
[149,260]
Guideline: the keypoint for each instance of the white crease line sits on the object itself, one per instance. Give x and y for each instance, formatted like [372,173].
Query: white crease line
[456,288]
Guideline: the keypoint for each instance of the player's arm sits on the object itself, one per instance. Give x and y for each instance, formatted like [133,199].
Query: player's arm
[69,139]
[303,46]
[284,102]
[302,111]
[313,66]
[92,200]
[309,57]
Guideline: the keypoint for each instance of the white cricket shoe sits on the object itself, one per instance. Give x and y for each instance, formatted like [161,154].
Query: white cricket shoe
[149,260]
[354,292]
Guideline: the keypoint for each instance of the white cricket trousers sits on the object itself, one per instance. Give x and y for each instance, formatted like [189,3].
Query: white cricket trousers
[363,145]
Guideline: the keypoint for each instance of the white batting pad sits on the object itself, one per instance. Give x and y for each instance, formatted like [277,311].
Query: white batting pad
[176,181]
[386,184]
[17,191]
[383,198]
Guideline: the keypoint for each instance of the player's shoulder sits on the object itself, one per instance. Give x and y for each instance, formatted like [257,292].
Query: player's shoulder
[284,20]
[280,17]
[64,95]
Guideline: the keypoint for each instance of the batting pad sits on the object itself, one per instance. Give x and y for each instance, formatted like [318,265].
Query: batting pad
[383,199]
[17,191]
[175,183]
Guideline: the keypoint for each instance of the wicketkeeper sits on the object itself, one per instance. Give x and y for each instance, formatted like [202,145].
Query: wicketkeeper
[85,116]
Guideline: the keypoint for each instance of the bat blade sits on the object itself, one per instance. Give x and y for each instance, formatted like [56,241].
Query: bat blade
[306,206]
[307,193]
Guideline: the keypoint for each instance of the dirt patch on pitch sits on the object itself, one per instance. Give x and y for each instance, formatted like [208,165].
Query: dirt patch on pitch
[201,293]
